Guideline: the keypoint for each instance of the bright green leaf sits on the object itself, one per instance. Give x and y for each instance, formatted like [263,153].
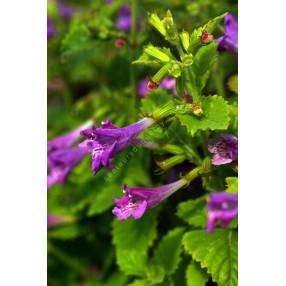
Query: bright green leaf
[195,275]
[215,251]
[132,262]
[215,116]
[103,199]
[194,212]
[232,185]
[167,254]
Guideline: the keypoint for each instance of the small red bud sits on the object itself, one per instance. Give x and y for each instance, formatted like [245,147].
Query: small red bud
[207,38]
[152,85]
[120,43]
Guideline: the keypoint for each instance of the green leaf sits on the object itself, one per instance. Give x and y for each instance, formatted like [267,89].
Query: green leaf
[195,275]
[216,251]
[194,212]
[132,238]
[138,282]
[215,116]
[134,234]
[211,25]
[232,185]
[167,254]
[155,274]
[77,40]
[132,262]
[103,199]
[203,61]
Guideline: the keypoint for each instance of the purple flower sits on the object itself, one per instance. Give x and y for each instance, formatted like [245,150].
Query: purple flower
[67,140]
[62,161]
[51,31]
[169,83]
[136,201]
[65,11]
[166,83]
[142,87]
[124,20]
[55,220]
[62,157]
[106,141]
[229,41]
[223,207]
[224,148]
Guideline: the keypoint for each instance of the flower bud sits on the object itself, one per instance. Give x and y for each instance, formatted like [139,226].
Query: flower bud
[197,109]
[206,38]
[187,60]
[120,43]
[175,70]
[152,85]
[185,39]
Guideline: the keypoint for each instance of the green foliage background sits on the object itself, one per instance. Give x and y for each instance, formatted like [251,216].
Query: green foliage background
[89,78]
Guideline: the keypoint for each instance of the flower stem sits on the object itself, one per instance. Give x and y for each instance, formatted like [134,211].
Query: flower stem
[204,168]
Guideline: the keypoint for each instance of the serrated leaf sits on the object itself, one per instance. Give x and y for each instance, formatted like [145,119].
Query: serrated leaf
[217,252]
[132,238]
[215,116]
[232,185]
[194,212]
[195,275]
[167,253]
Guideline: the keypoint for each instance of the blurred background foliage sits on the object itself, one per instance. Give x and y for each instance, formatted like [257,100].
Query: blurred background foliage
[88,77]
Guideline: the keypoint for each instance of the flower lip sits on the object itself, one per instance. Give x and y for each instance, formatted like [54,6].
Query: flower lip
[223,207]
[225,149]
[229,41]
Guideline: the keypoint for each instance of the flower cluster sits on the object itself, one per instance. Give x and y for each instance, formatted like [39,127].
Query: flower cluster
[176,72]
